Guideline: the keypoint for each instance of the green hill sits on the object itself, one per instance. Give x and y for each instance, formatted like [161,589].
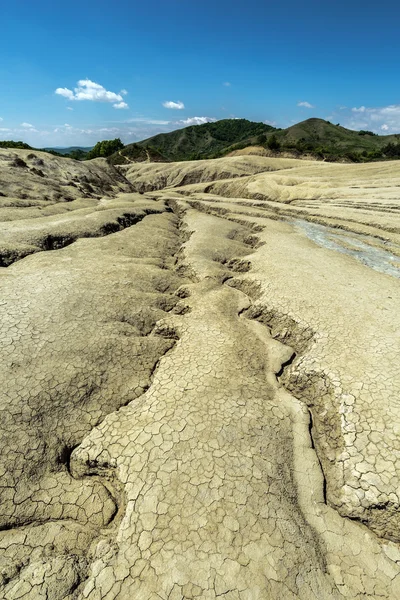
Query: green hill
[314,137]
[70,149]
[317,137]
[208,140]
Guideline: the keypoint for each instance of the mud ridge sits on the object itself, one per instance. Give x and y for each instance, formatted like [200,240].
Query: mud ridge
[101,473]
[286,330]
[57,242]
[278,209]
[314,390]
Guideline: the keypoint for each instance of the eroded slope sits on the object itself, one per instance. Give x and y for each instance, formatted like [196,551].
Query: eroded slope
[31,178]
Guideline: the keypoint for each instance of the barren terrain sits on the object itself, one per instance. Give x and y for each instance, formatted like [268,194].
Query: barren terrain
[199,379]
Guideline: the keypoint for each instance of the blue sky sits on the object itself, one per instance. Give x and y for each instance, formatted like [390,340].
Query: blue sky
[76,72]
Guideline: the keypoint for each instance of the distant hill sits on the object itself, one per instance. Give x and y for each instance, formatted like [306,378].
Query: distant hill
[73,152]
[206,141]
[314,137]
[317,135]
[69,149]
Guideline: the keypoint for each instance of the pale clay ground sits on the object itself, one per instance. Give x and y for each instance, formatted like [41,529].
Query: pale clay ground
[199,380]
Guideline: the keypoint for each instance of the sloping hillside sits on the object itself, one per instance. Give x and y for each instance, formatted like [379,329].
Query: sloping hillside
[136,153]
[313,137]
[318,132]
[206,141]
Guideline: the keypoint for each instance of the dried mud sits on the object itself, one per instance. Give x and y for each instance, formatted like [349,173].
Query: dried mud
[199,399]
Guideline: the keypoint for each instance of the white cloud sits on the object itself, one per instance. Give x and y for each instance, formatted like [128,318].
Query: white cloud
[69,130]
[196,121]
[121,105]
[305,104]
[4,129]
[123,92]
[380,118]
[174,105]
[28,127]
[109,129]
[1,119]
[89,90]
[66,93]
[69,108]
[272,123]
[227,84]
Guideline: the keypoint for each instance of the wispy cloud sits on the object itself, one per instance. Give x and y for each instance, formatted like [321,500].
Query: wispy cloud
[196,121]
[94,92]
[305,104]
[29,127]
[174,105]
[1,119]
[69,108]
[120,105]
[26,128]
[227,84]
[272,123]
[66,93]
[147,121]
[133,129]
[381,118]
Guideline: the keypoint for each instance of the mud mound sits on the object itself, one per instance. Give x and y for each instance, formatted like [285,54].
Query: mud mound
[38,178]
[150,177]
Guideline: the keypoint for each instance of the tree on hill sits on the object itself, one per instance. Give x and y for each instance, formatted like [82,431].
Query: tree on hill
[77,154]
[273,143]
[391,150]
[105,148]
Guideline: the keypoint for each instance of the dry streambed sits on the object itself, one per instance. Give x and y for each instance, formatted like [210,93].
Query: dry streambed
[201,402]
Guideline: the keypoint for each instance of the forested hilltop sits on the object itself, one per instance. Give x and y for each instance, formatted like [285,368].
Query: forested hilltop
[209,140]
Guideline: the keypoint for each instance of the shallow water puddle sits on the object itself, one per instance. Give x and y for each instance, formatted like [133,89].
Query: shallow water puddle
[352,244]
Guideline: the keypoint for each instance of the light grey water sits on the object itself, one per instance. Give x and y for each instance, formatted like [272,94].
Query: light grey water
[375,258]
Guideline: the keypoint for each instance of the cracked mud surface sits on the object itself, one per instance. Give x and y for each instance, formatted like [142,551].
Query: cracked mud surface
[198,400]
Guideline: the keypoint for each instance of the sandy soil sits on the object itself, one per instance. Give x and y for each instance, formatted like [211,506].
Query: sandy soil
[200,383]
